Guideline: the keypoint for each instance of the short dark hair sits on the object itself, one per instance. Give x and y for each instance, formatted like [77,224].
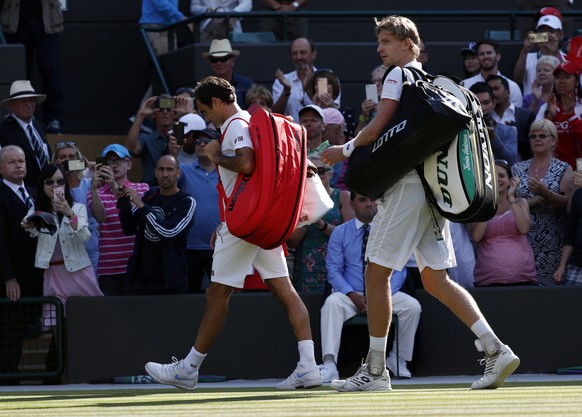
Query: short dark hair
[488,41]
[481,87]
[494,77]
[309,41]
[214,87]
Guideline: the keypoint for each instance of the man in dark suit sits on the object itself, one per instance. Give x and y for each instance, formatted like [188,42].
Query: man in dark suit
[18,275]
[506,113]
[22,130]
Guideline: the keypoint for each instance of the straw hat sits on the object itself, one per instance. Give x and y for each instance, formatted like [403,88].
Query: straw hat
[23,89]
[220,48]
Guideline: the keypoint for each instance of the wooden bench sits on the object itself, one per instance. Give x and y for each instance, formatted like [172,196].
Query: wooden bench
[362,320]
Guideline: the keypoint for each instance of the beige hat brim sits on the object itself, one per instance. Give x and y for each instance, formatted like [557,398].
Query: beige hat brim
[234,52]
[39,98]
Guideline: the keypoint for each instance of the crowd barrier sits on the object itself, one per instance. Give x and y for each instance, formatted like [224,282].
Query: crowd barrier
[116,336]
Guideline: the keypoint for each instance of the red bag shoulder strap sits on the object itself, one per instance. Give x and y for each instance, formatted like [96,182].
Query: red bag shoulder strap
[219,186]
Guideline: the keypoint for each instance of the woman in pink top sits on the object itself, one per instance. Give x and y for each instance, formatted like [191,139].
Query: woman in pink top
[504,256]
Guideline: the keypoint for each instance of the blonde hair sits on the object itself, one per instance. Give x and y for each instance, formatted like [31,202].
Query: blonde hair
[545,125]
[402,28]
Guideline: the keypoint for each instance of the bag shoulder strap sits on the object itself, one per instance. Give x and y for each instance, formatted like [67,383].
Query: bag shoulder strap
[417,74]
[219,186]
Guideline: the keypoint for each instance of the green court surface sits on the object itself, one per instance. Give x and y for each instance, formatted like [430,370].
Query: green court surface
[562,398]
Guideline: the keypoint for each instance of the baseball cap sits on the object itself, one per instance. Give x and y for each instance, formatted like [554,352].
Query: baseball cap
[333,116]
[550,11]
[313,107]
[192,122]
[550,21]
[471,48]
[569,68]
[211,133]
[116,148]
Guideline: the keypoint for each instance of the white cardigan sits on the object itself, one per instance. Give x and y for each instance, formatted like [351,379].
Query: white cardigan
[72,241]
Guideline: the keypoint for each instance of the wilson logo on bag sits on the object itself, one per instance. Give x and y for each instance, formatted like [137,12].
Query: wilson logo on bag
[265,206]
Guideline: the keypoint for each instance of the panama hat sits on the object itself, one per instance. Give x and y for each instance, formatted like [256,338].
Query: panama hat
[23,89]
[220,48]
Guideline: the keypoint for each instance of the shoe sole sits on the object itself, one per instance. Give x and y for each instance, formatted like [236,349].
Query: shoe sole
[180,387]
[376,389]
[380,389]
[317,384]
[508,370]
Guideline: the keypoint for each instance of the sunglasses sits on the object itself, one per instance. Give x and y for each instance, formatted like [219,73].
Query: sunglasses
[50,182]
[222,59]
[201,141]
[65,144]
[540,136]
[322,170]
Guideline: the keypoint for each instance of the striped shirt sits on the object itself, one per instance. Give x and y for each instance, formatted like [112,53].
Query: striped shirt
[115,247]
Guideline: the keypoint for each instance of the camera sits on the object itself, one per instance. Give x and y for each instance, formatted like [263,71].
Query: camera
[165,103]
[74,165]
[540,37]
[488,120]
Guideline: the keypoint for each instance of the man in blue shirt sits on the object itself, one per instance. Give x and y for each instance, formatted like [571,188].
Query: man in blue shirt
[345,273]
[159,13]
[199,179]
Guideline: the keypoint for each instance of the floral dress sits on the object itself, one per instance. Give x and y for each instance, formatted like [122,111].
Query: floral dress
[546,234]
[309,270]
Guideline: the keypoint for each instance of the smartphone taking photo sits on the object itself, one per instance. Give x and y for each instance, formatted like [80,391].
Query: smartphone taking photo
[165,103]
[372,93]
[540,37]
[321,85]
[101,160]
[178,132]
[74,165]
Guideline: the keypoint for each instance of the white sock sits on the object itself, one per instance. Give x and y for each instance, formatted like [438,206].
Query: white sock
[306,354]
[193,361]
[378,344]
[481,327]
[329,362]
[489,340]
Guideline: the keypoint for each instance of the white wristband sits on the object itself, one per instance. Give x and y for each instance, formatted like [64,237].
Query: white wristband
[349,147]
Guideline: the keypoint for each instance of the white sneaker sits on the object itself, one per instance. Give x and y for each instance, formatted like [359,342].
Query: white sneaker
[398,367]
[172,374]
[328,373]
[498,367]
[363,381]
[300,379]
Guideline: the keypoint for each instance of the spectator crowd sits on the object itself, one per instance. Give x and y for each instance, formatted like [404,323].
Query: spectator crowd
[70,226]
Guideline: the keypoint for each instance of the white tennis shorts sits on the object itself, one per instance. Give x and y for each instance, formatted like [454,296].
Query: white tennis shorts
[404,225]
[233,258]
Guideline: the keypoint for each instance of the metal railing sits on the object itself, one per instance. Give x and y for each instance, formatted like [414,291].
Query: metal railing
[31,338]
[444,16]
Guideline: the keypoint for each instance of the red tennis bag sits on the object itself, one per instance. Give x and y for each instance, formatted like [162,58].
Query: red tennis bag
[265,206]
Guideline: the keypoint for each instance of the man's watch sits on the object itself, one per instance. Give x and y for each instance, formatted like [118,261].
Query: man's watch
[296,4]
